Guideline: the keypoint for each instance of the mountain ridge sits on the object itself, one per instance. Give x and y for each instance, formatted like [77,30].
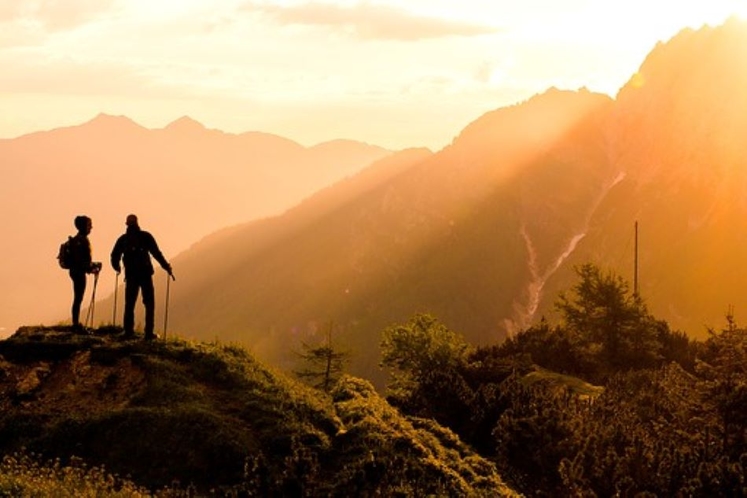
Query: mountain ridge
[383,239]
[486,233]
[678,138]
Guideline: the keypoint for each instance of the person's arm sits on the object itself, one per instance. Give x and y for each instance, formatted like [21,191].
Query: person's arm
[88,257]
[116,255]
[156,252]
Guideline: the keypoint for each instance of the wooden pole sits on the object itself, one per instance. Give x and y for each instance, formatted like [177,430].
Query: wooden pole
[635,263]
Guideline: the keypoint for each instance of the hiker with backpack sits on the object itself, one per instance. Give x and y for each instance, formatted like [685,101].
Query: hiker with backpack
[76,256]
[134,248]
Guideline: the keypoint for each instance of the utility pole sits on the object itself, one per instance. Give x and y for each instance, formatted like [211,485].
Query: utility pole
[635,264]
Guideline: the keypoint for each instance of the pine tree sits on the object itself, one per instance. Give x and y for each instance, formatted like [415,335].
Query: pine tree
[324,363]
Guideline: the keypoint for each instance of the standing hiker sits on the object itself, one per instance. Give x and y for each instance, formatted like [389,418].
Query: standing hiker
[77,256]
[135,248]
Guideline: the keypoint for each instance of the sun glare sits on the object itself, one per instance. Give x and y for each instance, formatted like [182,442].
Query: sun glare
[714,12]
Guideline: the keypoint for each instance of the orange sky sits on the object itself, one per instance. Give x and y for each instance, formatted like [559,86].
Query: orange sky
[394,73]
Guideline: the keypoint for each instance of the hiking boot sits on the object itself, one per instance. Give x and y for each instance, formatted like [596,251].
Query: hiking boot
[151,337]
[80,329]
[128,334]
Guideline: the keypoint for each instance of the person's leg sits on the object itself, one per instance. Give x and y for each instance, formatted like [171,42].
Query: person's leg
[131,291]
[149,301]
[79,289]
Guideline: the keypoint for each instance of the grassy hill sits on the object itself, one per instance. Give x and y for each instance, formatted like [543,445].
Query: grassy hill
[210,416]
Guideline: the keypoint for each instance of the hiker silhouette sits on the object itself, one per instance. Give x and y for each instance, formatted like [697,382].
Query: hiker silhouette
[135,248]
[80,263]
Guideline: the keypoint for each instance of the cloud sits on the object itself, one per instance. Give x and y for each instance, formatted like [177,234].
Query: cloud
[9,11]
[367,21]
[67,77]
[55,15]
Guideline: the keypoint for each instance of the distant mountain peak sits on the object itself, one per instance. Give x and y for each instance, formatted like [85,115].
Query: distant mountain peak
[699,54]
[543,115]
[109,120]
[110,125]
[185,124]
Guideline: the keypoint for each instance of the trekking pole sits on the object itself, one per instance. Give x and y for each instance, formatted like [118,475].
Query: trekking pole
[114,313]
[92,306]
[169,277]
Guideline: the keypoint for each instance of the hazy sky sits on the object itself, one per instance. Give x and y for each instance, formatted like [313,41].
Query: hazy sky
[395,73]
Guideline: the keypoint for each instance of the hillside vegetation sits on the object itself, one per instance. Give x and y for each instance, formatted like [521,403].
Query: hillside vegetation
[210,417]
[608,402]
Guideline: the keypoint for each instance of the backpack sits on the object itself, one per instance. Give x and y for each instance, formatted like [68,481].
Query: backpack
[135,254]
[65,255]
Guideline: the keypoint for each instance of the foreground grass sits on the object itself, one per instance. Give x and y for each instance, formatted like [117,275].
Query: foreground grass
[22,475]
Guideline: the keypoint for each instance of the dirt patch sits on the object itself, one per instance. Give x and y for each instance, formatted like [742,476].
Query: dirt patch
[71,386]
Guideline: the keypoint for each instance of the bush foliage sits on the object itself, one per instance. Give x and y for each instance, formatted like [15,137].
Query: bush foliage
[609,402]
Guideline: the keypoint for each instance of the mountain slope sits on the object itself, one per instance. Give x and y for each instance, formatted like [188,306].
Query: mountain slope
[450,234]
[678,144]
[485,233]
[184,181]
[215,417]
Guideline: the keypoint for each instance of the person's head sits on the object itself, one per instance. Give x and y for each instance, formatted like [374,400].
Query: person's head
[83,223]
[131,221]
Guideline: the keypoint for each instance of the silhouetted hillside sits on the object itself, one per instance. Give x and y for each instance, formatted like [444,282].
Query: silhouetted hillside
[212,416]
[184,181]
